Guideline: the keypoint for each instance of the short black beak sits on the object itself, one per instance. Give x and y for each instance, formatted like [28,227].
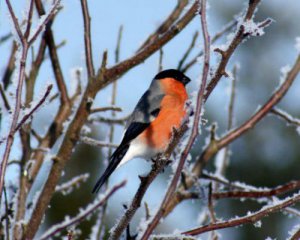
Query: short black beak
[186,80]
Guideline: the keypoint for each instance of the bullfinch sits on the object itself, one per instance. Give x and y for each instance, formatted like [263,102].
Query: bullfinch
[148,131]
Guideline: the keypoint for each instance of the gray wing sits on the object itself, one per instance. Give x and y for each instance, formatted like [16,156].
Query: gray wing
[148,106]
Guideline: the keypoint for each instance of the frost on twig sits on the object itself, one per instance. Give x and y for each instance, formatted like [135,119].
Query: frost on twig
[68,187]
[83,213]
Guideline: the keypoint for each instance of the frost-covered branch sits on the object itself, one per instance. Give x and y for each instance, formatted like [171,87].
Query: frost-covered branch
[104,109]
[285,116]
[96,143]
[249,218]
[87,40]
[72,134]
[26,41]
[90,209]
[35,108]
[67,187]
[195,128]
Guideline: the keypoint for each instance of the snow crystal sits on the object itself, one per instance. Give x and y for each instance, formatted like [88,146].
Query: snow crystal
[257,224]
[284,71]
[294,231]
[251,28]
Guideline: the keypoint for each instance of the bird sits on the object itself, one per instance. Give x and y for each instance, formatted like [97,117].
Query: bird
[149,128]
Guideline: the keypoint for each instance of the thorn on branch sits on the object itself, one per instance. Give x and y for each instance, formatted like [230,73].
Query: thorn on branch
[220,51]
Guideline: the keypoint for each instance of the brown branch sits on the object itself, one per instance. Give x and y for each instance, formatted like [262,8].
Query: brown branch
[296,235]
[170,20]
[216,37]
[104,109]
[82,215]
[195,129]
[29,20]
[10,66]
[283,115]
[160,60]
[48,35]
[237,39]
[159,163]
[250,218]
[291,186]
[5,38]
[4,98]
[35,108]
[120,121]
[116,71]
[188,51]
[216,145]
[87,39]
[72,135]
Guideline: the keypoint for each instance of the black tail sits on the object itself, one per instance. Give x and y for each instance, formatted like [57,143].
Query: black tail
[115,159]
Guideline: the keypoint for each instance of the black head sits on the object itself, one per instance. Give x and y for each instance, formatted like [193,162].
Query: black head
[173,73]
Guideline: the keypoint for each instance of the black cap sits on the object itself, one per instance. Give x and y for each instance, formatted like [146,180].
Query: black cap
[173,73]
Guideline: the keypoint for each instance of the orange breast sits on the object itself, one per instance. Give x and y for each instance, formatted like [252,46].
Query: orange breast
[172,112]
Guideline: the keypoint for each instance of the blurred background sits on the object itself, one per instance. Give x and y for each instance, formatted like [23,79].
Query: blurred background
[268,155]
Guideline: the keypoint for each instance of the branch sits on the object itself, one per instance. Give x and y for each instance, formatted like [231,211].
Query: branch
[67,187]
[291,186]
[21,76]
[87,39]
[250,218]
[72,134]
[104,109]
[4,98]
[240,35]
[195,129]
[48,35]
[166,24]
[120,121]
[116,71]
[159,163]
[285,116]
[48,17]
[93,142]
[90,209]
[35,108]
[216,37]
[188,51]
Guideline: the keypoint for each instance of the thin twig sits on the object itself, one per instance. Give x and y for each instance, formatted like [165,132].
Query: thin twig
[290,186]
[250,218]
[285,116]
[87,39]
[170,20]
[4,98]
[41,27]
[35,108]
[6,213]
[72,134]
[104,109]
[93,142]
[10,66]
[188,51]
[82,215]
[195,128]
[120,121]
[159,164]
[160,60]
[216,37]
[5,37]
[68,186]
